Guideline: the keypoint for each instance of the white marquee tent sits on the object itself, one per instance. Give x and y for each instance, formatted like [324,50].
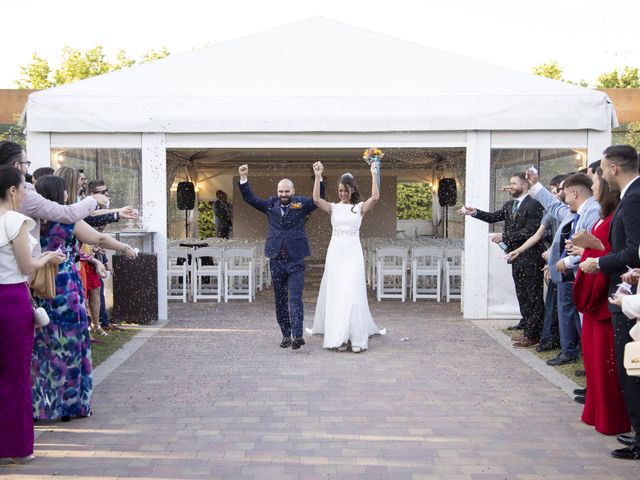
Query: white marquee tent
[319,83]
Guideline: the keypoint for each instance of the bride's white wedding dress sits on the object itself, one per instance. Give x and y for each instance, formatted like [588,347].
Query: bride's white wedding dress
[342,313]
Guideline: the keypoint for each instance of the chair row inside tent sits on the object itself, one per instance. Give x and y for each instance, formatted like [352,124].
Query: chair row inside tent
[216,269]
[427,269]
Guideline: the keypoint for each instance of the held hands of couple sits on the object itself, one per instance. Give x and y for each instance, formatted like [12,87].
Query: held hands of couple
[318,168]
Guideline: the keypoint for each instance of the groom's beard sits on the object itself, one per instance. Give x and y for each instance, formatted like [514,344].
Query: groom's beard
[285,200]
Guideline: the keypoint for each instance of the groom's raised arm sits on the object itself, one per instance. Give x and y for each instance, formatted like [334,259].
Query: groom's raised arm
[247,194]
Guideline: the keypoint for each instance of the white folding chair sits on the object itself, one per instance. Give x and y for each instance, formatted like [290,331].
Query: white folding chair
[239,267]
[453,272]
[391,268]
[178,273]
[426,265]
[207,265]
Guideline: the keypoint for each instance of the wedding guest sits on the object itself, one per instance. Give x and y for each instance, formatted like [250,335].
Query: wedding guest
[580,211]
[222,215]
[620,169]
[604,405]
[39,208]
[521,217]
[41,172]
[61,353]
[549,338]
[98,217]
[16,318]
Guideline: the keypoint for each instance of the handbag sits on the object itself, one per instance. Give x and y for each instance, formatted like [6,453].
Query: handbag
[632,352]
[632,359]
[40,315]
[43,281]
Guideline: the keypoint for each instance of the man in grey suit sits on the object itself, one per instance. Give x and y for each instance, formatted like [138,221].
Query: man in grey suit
[579,212]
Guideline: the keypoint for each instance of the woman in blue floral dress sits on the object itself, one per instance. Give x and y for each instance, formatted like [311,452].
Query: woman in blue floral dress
[61,361]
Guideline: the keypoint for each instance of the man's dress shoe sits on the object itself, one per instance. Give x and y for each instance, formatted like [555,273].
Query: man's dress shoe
[561,359]
[297,343]
[286,342]
[524,342]
[544,347]
[579,399]
[627,440]
[519,326]
[627,453]
[580,392]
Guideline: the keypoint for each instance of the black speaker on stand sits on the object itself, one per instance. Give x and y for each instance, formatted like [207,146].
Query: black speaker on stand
[186,199]
[447,197]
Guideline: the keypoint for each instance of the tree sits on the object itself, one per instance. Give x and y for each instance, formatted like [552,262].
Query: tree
[206,226]
[632,137]
[414,201]
[78,65]
[553,70]
[628,78]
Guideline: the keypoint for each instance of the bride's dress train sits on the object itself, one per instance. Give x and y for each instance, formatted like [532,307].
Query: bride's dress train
[342,312]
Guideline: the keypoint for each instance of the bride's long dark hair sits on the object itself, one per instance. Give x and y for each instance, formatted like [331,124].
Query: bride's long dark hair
[348,181]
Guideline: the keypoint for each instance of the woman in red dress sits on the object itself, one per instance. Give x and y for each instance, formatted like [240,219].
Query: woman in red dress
[604,405]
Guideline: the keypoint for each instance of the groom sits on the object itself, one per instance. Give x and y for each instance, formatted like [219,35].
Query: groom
[286,247]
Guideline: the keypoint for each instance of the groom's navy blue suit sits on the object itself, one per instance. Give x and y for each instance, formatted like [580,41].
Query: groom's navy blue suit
[286,246]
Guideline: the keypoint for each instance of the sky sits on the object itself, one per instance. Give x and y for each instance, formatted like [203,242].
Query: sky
[586,37]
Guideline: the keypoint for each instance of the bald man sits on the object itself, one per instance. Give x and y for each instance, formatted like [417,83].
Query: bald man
[286,246]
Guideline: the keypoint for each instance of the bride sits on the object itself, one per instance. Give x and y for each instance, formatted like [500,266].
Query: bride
[342,312]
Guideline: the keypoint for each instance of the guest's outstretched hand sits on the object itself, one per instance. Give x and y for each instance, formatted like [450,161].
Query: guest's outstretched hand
[318,168]
[467,210]
[532,176]
[631,277]
[128,213]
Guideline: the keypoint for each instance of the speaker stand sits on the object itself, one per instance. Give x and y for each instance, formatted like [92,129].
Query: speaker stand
[186,224]
[446,222]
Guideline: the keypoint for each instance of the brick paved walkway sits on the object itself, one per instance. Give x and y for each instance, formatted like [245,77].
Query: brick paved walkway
[212,396]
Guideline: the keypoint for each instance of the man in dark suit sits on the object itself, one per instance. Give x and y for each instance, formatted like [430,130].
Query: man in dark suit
[521,217]
[620,168]
[286,246]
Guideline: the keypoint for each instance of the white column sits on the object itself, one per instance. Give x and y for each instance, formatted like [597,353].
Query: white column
[154,206]
[38,149]
[476,245]
[597,141]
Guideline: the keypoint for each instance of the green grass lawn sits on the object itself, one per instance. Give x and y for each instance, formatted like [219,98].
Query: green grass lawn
[111,343]
[566,370]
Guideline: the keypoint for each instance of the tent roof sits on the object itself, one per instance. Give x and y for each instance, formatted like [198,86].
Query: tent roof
[316,75]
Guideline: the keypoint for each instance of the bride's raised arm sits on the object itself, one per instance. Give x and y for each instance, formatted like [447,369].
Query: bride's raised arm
[321,203]
[368,205]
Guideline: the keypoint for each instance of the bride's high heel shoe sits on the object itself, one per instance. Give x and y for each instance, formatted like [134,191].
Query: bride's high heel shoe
[343,348]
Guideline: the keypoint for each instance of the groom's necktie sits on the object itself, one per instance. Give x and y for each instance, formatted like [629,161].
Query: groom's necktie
[284,209]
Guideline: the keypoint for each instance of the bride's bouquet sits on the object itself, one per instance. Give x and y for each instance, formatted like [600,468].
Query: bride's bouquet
[372,155]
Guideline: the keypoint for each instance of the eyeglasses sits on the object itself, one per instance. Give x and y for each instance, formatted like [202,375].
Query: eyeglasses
[27,163]
[102,192]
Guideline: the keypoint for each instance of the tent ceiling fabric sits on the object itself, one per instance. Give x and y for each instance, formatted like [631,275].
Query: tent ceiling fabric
[316,75]
[394,159]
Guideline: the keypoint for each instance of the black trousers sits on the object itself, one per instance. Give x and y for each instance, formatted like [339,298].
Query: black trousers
[529,282]
[630,385]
